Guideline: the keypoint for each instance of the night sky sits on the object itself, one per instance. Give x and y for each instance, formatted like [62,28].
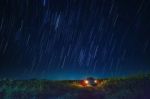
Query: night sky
[73,39]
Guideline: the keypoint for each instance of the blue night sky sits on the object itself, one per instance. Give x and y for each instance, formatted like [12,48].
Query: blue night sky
[73,39]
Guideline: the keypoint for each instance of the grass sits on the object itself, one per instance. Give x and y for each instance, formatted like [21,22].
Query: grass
[115,88]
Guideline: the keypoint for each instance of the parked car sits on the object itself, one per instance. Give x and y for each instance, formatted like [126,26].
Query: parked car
[90,81]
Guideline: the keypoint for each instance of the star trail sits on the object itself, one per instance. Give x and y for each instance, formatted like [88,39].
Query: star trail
[72,39]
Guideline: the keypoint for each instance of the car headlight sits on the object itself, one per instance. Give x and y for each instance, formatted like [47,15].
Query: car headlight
[86,81]
[95,81]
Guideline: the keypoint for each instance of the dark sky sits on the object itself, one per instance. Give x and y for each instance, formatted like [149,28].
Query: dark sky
[72,39]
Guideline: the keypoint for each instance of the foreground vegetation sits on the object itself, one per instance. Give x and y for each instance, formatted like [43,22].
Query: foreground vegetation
[117,88]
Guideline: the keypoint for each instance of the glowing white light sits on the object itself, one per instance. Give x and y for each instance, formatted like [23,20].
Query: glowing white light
[86,81]
[95,81]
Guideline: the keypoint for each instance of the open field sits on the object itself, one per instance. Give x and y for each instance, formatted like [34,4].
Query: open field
[117,88]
